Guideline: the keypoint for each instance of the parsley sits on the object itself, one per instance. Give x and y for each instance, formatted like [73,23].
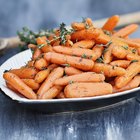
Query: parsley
[66,65]
[133,51]
[125,47]
[113,67]
[84,56]
[105,45]
[133,61]
[40,46]
[107,32]
[100,60]
[105,50]
[71,82]
[85,22]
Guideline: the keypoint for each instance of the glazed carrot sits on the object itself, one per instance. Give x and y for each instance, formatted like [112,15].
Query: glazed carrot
[56,43]
[90,33]
[108,54]
[11,87]
[82,77]
[31,63]
[42,75]
[78,26]
[127,30]
[108,70]
[19,85]
[135,39]
[131,71]
[79,90]
[133,57]
[77,62]
[72,71]
[84,53]
[51,93]
[36,54]
[111,23]
[87,44]
[32,46]
[45,47]
[48,83]
[52,66]
[135,82]
[69,43]
[31,83]
[121,63]
[25,72]
[60,95]
[41,64]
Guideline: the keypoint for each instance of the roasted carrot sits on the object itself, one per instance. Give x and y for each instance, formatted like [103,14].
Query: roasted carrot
[19,85]
[31,63]
[82,77]
[121,63]
[36,54]
[133,57]
[51,93]
[52,66]
[42,75]
[60,95]
[87,44]
[31,83]
[108,70]
[127,30]
[135,39]
[131,71]
[71,71]
[77,62]
[135,82]
[11,87]
[48,83]
[79,90]
[111,23]
[25,72]
[41,64]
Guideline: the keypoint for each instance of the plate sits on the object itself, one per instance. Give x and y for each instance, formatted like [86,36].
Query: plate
[58,105]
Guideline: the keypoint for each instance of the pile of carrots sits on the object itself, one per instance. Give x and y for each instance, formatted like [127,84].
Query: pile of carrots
[90,62]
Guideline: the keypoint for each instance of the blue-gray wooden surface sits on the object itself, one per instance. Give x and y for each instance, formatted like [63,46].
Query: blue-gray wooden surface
[120,122]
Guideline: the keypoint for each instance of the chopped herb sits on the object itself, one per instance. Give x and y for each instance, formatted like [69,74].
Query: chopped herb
[99,60]
[85,22]
[90,57]
[125,47]
[133,50]
[40,46]
[66,65]
[133,61]
[113,67]
[48,42]
[105,45]
[105,50]
[107,32]
[84,56]
[6,71]
[71,82]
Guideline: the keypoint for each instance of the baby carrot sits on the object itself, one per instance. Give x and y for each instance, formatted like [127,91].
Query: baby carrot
[108,70]
[60,95]
[19,85]
[82,77]
[111,23]
[71,71]
[133,57]
[48,83]
[79,90]
[77,62]
[42,75]
[121,63]
[131,71]
[41,64]
[127,30]
[31,83]
[36,54]
[51,93]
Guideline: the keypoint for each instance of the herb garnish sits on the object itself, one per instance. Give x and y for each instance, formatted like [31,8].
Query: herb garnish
[71,82]
[84,56]
[66,65]
[106,45]
[100,60]
[133,61]
[133,51]
[85,22]
[125,47]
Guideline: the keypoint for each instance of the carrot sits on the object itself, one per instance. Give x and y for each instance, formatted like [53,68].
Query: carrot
[48,83]
[19,85]
[32,46]
[41,64]
[52,66]
[90,33]
[45,47]
[127,30]
[71,71]
[51,93]
[31,63]
[77,62]
[25,72]
[111,23]
[31,83]
[87,44]
[133,57]
[121,63]
[79,90]
[108,70]
[11,87]
[60,95]
[82,77]
[42,75]
[56,43]
[135,82]
[69,43]
[131,71]
[135,40]
[36,54]
[84,53]
[78,26]
[107,54]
